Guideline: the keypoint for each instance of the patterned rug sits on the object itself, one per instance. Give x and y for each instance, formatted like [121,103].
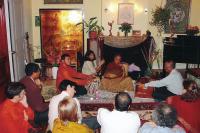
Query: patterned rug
[91,103]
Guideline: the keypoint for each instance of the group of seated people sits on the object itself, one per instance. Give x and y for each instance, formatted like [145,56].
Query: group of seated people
[179,115]
[25,110]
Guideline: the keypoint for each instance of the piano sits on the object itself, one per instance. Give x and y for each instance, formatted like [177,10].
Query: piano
[182,49]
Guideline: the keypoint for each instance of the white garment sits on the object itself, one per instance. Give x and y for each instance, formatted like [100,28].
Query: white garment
[173,82]
[53,108]
[89,67]
[117,121]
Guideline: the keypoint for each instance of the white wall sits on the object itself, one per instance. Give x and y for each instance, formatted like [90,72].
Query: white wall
[27,6]
[96,8]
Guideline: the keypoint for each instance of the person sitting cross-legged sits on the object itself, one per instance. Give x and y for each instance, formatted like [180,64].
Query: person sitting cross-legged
[120,120]
[171,85]
[67,121]
[66,72]
[164,120]
[15,113]
[67,89]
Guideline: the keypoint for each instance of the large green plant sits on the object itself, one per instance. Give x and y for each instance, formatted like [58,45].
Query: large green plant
[92,25]
[160,18]
[126,28]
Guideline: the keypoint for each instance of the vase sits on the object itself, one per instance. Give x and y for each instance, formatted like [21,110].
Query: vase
[54,72]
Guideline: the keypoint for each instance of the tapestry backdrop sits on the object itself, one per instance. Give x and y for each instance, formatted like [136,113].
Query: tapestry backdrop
[179,13]
[59,33]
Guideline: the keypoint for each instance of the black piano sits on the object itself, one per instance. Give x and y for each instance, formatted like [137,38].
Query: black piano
[182,49]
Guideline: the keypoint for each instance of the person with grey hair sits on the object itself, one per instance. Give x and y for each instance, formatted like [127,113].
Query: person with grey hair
[164,119]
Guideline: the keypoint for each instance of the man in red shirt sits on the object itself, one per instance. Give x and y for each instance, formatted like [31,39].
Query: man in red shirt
[14,111]
[66,72]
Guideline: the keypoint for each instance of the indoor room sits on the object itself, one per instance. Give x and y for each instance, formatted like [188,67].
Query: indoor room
[99,66]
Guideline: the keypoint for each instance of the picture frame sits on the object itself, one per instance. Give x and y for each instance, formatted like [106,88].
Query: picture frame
[125,13]
[63,1]
[179,15]
[37,21]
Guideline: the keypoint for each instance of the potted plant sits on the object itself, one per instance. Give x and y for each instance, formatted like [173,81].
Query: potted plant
[160,18]
[92,27]
[126,28]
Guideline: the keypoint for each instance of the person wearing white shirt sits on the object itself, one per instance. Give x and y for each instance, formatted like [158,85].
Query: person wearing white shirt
[120,120]
[171,85]
[67,90]
[90,66]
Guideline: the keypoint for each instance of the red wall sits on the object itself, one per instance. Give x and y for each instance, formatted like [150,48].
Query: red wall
[4,60]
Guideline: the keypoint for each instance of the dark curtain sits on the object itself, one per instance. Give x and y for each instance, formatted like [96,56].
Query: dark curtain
[130,55]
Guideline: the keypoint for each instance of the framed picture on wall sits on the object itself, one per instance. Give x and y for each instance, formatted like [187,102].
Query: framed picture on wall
[59,34]
[125,13]
[179,14]
[63,1]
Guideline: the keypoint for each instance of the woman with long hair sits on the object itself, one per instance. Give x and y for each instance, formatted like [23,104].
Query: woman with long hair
[90,66]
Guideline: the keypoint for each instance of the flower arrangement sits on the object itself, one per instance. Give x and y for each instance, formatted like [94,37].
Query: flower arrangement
[192,30]
[126,28]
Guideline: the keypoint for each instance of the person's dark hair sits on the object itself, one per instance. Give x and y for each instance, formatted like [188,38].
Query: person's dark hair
[122,101]
[170,61]
[87,54]
[63,85]
[165,115]
[14,89]
[31,68]
[67,110]
[190,95]
[64,56]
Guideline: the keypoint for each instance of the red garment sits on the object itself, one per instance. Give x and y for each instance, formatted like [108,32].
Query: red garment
[66,72]
[34,97]
[114,69]
[189,111]
[12,117]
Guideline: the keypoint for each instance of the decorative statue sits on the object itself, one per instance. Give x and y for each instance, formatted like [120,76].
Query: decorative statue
[110,24]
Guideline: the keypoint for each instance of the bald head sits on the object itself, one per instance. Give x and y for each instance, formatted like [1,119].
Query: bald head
[122,101]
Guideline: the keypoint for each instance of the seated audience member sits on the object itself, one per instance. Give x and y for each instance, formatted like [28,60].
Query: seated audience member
[90,67]
[115,77]
[68,118]
[67,90]
[14,111]
[66,72]
[171,85]
[164,121]
[120,120]
[188,106]
[33,93]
